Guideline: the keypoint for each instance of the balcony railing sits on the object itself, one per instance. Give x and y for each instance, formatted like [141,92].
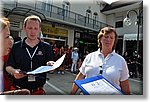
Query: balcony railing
[57,13]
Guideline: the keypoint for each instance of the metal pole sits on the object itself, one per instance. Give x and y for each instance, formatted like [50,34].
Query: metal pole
[138,23]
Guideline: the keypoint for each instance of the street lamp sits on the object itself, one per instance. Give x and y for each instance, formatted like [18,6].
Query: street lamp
[128,22]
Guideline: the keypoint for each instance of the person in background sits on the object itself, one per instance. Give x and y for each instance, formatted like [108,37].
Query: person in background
[56,52]
[129,63]
[135,64]
[6,44]
[67,49]
[28,55]
[60,70]
[74,57]
[12,41]
[56,55]
[70,60]
[114,67]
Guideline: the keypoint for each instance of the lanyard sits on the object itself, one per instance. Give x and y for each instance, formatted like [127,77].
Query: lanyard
[32,54]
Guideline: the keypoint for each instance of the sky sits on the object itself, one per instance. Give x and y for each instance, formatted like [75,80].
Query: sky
[110,1]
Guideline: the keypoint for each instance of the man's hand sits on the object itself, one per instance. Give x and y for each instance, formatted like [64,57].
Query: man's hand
[18,74]
[50,63]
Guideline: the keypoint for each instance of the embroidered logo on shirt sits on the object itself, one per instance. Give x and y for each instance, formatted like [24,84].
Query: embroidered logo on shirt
[39,53]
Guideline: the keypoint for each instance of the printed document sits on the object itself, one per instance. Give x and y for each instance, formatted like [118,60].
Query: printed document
[43,69]
[100,87]
[97,85]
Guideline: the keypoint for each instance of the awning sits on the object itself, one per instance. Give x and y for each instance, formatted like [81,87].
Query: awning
[132,37]
[54,39]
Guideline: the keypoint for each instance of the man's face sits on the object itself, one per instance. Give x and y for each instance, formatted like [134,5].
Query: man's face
[32,29]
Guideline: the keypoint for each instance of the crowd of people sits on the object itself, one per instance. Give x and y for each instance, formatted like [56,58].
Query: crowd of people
[135,64]
[71,60]
[32,52]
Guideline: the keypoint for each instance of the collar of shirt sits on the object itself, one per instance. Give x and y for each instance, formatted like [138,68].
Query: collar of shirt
[107,57]
[25,45]
[99,52]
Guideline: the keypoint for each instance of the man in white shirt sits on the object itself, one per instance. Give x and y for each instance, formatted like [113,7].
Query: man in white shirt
[74,57]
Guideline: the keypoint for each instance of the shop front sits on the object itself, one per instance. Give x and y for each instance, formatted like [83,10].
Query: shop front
[85,42]
[130,43]
[53,34]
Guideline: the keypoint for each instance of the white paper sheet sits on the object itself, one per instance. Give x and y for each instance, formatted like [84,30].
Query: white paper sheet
[100,87]
[43,69]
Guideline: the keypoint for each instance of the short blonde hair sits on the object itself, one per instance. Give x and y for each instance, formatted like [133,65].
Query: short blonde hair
[32,17]
[105,31]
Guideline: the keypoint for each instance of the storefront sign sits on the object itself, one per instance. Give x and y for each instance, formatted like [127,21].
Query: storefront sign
[47,29]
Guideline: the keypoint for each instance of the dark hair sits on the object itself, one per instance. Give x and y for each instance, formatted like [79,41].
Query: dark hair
[105,31]
[32,17]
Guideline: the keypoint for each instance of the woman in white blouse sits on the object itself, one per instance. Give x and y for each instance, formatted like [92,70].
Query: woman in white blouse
[114,67]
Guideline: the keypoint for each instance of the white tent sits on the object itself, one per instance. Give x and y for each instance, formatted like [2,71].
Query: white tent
[130,37]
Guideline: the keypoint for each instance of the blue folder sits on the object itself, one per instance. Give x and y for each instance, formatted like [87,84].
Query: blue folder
[99,78]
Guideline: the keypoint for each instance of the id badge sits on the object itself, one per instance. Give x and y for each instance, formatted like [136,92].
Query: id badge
[31,78]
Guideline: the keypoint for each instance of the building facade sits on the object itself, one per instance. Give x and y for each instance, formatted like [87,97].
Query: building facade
[63,22]
[115,15]
[74,23]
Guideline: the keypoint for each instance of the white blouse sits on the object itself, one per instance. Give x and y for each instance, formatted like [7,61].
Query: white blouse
[114,67]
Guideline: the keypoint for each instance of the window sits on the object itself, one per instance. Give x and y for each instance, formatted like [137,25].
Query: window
[66,8]
[88,14]
[43,5]
[119,24]
[95,14]
[119,21]
[46,4]
[88,17]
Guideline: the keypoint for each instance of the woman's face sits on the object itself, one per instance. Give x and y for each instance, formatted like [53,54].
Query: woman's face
[108,40]
[5,40]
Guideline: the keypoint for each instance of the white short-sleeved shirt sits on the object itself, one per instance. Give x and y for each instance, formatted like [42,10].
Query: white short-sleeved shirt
[114,67]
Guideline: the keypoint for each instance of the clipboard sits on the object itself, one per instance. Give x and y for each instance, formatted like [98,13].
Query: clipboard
[97,85]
